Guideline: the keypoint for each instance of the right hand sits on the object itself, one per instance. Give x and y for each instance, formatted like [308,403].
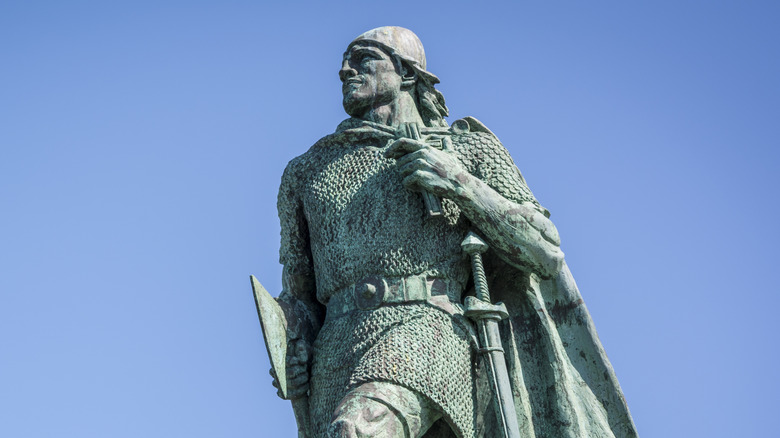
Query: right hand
[298,358]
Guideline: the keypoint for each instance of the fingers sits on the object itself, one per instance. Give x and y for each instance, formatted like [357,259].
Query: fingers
[297,382]
[420,155]
[403,146]
[302,352]
[429,181]
[415,167]
[422,165]
[416,181]
[421,160]
[299,354]
[292,394]
[296,372]
[428,159]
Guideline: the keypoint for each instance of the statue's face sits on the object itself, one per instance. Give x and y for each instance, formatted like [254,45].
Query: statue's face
[370,79]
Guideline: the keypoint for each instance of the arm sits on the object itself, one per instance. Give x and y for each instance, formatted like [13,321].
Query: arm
[522,235]
[299,291]
[305,314]
[516,228]
[298,297]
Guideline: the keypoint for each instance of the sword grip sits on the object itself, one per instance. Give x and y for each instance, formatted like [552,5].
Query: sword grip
[432,203]
[480,280]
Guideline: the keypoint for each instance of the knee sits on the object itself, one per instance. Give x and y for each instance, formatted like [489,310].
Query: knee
[342,428]
[361,417]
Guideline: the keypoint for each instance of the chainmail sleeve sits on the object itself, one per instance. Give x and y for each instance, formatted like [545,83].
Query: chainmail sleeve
[298,297]
[295,249]
[489,161]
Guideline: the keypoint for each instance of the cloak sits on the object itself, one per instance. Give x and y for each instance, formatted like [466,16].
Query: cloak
[563,383]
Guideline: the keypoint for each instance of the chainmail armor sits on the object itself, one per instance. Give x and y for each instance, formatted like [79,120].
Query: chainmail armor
[365,222]
[414,345]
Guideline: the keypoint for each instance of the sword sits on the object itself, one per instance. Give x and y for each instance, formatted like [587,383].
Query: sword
[273,321]
[486,316]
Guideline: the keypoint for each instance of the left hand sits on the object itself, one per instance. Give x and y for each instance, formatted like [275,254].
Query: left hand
[297,371]
[427,168]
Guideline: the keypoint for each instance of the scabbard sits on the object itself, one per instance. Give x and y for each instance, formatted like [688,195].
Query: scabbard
[490,347]
[486,316]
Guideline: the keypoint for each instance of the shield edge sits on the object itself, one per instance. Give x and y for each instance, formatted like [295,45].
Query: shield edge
[274,326]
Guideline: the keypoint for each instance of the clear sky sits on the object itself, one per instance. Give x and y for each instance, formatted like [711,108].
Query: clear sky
[141,146]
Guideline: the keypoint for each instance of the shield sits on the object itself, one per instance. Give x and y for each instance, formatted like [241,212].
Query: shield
[273,322]
[274,325]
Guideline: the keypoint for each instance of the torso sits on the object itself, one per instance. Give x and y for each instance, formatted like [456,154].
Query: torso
[363,221]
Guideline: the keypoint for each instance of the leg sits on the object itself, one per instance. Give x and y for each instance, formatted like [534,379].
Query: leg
[382,410]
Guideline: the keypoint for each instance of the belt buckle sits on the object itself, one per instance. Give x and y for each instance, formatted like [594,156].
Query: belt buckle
[370,292]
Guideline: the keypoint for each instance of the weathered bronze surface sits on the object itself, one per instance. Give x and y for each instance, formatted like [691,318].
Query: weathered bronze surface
[378,340]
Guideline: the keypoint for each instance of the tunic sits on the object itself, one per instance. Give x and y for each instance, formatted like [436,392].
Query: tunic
[345,216]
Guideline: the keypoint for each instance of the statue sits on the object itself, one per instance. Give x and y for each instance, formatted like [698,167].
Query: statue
[398,230]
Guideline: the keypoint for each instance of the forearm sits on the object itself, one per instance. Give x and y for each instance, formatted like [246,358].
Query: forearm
[519,232]
[298,300]
[304,318]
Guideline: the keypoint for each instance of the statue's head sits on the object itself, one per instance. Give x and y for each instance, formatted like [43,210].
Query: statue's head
[384,62]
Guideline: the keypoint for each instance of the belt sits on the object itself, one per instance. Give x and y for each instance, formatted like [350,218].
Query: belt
[374,291]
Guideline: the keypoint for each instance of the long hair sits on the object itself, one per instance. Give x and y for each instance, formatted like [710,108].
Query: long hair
[429,101]
[430,104]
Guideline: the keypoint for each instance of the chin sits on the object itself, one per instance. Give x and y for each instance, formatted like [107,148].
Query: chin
[353,108]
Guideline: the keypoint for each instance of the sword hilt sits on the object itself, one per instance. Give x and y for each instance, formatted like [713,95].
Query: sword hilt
[474,246]
[487,315]
[478,310]
[432,203]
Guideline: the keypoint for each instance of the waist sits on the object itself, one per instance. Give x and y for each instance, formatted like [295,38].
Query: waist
[375,291]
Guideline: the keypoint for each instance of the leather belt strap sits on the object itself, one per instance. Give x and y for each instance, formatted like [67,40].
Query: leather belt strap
[374,291]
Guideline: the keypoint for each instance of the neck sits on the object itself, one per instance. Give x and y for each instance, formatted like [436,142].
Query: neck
[401,110]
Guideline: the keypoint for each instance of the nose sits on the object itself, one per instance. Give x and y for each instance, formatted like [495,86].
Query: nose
[346,71]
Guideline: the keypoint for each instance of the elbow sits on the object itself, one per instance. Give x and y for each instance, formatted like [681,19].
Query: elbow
[546,260]
[551,262]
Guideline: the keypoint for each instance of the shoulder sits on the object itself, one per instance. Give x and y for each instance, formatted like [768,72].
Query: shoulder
[473,134]
[300,165]
[294,169]
[322,149]
[490,161]
[474,141]
[471,124]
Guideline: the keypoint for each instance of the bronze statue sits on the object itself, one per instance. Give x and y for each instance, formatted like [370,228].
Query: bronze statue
[382,328]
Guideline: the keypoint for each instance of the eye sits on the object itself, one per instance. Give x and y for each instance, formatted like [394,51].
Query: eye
[365,56]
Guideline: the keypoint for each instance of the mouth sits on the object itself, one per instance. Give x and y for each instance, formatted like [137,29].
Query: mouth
[353,81]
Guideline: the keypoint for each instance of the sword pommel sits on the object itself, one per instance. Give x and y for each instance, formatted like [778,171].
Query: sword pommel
[473,244]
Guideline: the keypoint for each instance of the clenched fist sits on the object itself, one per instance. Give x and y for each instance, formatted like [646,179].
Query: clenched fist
[298,359]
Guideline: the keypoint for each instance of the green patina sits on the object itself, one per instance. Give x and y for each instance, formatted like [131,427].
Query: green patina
[385,325]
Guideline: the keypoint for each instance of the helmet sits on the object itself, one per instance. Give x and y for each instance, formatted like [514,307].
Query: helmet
[402,43]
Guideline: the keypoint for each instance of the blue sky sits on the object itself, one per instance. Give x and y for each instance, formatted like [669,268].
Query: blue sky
[141,146]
